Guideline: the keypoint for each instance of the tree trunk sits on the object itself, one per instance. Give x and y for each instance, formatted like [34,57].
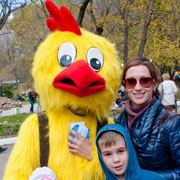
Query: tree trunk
[3,21]
[17,85]
[82,12]
[145,29]
[126,34]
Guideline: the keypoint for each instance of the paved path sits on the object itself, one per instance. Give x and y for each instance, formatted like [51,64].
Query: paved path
[3,159]
[5,155]
[25,109]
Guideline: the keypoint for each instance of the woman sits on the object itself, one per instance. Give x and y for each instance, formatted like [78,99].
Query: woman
[168,90]
[155,131]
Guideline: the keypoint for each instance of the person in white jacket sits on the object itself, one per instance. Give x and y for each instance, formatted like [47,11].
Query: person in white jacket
[168,90]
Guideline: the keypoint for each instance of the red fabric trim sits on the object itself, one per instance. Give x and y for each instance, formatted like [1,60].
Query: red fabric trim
[62,20]
[52,25]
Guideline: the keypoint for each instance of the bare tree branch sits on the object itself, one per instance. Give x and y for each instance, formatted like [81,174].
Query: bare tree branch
[99,26]
[41,7]
[4,33]
[7,7]
[82,12]
[145,30]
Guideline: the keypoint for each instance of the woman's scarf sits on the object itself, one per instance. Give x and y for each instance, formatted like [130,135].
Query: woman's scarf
[134,113]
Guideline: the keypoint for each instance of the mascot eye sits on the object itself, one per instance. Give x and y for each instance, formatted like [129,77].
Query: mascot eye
[95,59]
[66,54]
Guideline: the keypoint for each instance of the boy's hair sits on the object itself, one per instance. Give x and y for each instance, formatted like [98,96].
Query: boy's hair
[109,138]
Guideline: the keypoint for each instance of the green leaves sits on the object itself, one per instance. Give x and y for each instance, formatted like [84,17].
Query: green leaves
[121,21]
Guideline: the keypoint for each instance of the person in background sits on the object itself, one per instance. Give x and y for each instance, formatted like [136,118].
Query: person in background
[123,93]
[19,97]
[31,99]
[168,90]
[154,131]
[118,157]
[121,99]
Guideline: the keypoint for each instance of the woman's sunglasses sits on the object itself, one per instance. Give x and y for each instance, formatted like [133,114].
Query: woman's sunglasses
[146,82]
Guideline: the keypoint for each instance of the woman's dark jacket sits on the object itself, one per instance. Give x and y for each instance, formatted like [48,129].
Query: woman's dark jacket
[157,146]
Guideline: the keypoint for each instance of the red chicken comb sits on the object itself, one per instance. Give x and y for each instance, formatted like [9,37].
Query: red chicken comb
[62,19]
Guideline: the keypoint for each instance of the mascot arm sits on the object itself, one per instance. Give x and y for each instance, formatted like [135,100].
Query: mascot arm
[24,158]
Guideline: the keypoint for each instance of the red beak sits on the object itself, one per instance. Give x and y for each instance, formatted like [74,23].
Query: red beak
[79,79]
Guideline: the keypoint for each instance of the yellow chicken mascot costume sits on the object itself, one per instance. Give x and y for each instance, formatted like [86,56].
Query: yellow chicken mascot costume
[77,77]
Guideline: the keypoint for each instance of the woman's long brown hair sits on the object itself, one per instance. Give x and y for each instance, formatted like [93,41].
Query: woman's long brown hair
[143,61]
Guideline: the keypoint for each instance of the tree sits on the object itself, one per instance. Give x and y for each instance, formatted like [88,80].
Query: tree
[7,7]
[145,29]
[82,11]
[13,64]
[29,30]
[163,40]
[137,27]
[124,13]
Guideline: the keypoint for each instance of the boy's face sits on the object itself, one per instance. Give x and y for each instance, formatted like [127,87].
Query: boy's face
[116,157]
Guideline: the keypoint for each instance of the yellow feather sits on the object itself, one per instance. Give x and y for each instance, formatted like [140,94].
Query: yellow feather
[25,156]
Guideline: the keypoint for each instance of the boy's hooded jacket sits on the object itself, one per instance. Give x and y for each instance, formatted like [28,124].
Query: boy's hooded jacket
[133,170]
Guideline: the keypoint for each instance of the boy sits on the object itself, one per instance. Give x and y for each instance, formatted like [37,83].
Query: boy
[118,157]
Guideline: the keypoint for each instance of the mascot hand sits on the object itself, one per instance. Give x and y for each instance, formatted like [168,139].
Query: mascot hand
[81,146]
[43,173]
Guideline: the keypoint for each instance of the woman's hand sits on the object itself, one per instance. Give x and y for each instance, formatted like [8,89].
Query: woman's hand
[81,146]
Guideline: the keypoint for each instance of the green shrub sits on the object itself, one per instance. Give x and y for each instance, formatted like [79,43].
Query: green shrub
[13,124]
[8,91]
[15,128]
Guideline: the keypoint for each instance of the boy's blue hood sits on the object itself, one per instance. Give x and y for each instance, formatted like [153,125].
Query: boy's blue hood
[133,165]
[133,171]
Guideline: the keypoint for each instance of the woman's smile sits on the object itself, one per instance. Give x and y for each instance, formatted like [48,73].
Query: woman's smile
[139,94]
